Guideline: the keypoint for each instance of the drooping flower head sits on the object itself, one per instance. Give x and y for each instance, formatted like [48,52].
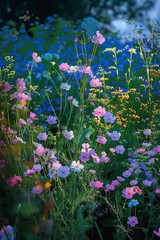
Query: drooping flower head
[35,57]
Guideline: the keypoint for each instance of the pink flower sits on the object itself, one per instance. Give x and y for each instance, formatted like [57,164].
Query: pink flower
[98,38]
[64,66]
[21,84]
[40,150]
[112,150]
[99,112]
[35,57]
[22,121]
[157,233]
[102,139]
[95,82]
[29,172]
[33,116]
[6,87]
[12,181]
[96,184]
[96,158]
[84,156]
[137,190]
[91,171]
[141,150]
[120,149]
[157,149]
[128,192]
[157,191]
[132,221]
[115,136]
[109,118]
[147,132]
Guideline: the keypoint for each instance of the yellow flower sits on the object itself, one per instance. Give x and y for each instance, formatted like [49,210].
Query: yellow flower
[132,51]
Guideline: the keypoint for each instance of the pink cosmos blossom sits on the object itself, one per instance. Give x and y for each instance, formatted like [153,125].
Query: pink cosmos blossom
[141,150]
[99,112]
[29,172]
[133,182]
[96,184]
[33,116]
[40,150]
[7,233]
[128,192]
[147,132]
[35,57]
[98,38]
[63,172]
[22,121]
[96,158]
[104,158]
[37,189]
[115,136]
[91,171]
[21,84]
[132,221]
[109,118]
[95,83]
[6,87]
[137,190]
[51,120]
[64,66]
[147,183]
[12,181]
[42,136]
[68,134]
[102,140]
[157,233]
[56,165]
[120,149]
[112,150]
[85,145]
[157,191]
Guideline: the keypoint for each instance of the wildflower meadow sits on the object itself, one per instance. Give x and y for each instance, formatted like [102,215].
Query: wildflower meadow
[80,136]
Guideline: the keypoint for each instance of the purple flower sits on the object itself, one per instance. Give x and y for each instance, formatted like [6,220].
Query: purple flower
[63,172]
[133,182]
[147,183]
[120,149]
[68,134]
[84,156]
[42,136]
[95,83]
[37,167]
[37,190]
[21,84]
[126,174]
[102,139]
[7,233]
[52,173]
[115,136]
[51,120]
[98,38]
[132,221]
[109,118]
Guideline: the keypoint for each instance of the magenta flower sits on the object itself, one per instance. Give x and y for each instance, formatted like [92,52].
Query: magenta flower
[128,192]
[99,112]
[51,120]
[157,233]
[96,184]
[42,136]
[109,118]
[37,189]
[35,57]
[29,172]
[63,172]
[98,38]
[115,136]
[141,150]
[137,190]
[68,134]
[95,83]
[102,139]
[120,149]
[12,181]
[33,116]
[64,66]
[132,221]
[157,191]
[157,149]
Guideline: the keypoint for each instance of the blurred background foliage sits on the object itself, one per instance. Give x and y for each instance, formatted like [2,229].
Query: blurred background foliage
[31,11]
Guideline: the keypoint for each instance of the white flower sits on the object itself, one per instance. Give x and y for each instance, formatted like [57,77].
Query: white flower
[75,102]
[76,166]
[65,86]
